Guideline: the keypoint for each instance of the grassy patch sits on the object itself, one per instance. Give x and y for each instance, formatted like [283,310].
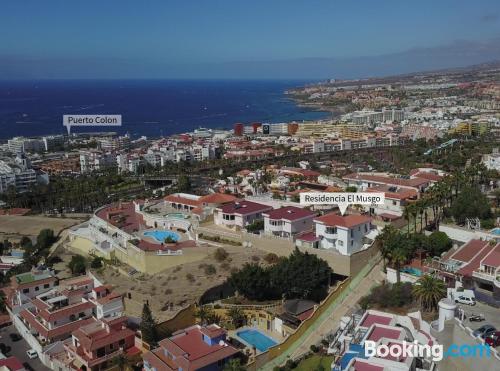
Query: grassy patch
[314,362]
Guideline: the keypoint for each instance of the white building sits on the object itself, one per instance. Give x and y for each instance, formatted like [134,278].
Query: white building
[288,221]
[240,214]
[346,234]
[492,161]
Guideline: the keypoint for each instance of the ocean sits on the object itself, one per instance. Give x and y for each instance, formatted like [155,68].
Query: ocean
[148,107]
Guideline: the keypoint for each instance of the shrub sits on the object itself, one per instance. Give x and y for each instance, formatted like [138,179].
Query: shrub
[96,262]
[225,266]
[168,291]
[220,254]
[190,277]
[210,270]
[255,258]
[314,348]
[271,258]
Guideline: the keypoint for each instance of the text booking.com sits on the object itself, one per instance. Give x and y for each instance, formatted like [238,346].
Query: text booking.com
[436,352]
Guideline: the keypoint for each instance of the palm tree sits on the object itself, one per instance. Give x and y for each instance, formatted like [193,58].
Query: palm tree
[429,291]
[399,256]
[236,315]
[384,239]
[203,313]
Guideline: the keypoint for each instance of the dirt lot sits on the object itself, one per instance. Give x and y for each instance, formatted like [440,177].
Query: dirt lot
[177,287]
[13,227]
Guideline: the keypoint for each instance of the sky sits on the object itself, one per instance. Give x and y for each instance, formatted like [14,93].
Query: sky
[212,38]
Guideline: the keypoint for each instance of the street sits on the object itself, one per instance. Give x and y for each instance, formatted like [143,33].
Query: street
[19,348]
[491,315]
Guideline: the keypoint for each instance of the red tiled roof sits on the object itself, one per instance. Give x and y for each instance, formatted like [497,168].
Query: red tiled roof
[244,208]
[299,171]
[308,237]
[346,221]
[217,198]
[414,182]
[399,194]
[99,338]
[290,213]
[475,262]
[493,258]
[371,319]
[197,354]
[12,363]
[182,200]
[360,365]
[467,252]
[428,175]
[131,220]
[379,332]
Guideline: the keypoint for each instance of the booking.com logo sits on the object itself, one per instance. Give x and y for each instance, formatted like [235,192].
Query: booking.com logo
[435,352]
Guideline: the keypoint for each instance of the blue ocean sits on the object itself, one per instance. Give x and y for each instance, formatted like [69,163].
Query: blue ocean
[148,107]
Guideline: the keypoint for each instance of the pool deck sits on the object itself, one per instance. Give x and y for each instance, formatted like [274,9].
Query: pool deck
[273,335]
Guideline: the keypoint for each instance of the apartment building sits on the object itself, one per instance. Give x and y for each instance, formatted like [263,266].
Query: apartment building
[18,173]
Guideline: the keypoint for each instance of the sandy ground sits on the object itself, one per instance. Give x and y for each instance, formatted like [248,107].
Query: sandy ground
[14,226]
[172,289]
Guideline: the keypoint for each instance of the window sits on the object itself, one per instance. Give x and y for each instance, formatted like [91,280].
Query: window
[111,346]
[394,203]
[121,342]
[46,286]
[352,233]
[341,243]
[25,291]
[37,288]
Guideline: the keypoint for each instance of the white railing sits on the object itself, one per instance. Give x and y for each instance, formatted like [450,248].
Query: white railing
[483,275]
[169,252]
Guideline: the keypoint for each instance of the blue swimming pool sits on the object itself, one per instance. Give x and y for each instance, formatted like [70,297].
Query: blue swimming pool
[160,236]
[496,231]
[257,339]
[413,271]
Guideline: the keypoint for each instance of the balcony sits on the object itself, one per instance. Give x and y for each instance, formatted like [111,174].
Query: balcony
[330,233]
[484,276]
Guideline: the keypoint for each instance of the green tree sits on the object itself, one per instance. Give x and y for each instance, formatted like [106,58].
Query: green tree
[234,365]
[429,290]
[77,265]
[237,316]
[438,242]
[148,326]
[470,203]
[45,239]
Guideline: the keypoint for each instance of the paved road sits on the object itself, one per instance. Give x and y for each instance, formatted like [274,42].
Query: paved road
[19,349]
[491,315]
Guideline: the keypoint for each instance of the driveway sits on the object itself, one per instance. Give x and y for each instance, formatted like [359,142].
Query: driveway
[491,315]
[19,348]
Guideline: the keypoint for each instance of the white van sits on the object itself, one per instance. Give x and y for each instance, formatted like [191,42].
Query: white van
[32,353]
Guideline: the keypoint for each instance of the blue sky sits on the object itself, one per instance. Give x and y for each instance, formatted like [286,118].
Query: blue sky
[158,38]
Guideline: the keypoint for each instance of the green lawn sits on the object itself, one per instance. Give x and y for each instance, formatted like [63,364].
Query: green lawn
[312,363]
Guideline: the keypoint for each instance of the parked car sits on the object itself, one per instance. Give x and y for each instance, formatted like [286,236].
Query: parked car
[484,331]
[15,337]
[32,354]
[493,339]
[465,300]
[28,367]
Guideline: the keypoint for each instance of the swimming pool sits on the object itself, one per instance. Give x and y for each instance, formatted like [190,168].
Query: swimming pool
[257,339]
[176,215]
[413,271]
[160,236]
[496,231]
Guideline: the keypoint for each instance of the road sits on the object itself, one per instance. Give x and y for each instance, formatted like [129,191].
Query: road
[491,315]
[19,348]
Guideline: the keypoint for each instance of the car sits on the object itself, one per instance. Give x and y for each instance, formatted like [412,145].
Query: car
[484,331]
[32,354]
[15,337]
[493,339]
[465,300]
[28,367]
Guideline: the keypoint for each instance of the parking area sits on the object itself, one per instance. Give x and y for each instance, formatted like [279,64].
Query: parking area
[491,315]
[19,348]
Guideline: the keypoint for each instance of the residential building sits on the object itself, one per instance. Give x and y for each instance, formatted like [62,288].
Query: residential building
[363,181]
[96,345]
[492,161]
[382,328]
[194,348]
[239,214]
[288,221]
[19,174]
[346,234]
